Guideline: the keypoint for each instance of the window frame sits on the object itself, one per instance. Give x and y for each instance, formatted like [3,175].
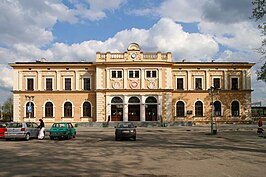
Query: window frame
[51,110]
[33,81]
[115,74]
[52,85]
[83,83]
[65,83]
[183,84]
[213,82]
[231,82]
[134,74]
[151,75]
[195,83]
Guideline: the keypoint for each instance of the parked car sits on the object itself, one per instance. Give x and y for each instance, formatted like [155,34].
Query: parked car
[22,130]
[2,129]
[62,130]
[125,130]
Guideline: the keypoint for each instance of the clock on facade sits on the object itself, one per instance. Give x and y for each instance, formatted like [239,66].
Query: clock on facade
[133,55]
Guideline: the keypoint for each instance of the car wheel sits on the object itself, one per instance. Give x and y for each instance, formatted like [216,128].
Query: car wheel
[27,137]
[74,136]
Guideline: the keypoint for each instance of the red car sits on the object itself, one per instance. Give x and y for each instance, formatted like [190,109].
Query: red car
[2,130]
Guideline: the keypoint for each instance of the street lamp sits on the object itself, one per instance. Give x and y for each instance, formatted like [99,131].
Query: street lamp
[211,91]
[29,108]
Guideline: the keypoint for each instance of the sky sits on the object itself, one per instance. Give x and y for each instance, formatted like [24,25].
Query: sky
[74,30]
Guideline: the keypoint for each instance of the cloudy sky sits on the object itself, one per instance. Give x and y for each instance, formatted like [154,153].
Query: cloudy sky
[74,30]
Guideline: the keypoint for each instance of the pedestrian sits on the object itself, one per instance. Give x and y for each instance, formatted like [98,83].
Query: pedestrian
[41,132]
[260,129]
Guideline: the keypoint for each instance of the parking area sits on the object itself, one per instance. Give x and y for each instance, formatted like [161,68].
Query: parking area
[158,151]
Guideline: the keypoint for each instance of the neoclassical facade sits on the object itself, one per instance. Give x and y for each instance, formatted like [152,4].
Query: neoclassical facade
[132,86]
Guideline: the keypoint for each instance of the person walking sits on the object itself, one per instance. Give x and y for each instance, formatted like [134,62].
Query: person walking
[41,132]
[260,129]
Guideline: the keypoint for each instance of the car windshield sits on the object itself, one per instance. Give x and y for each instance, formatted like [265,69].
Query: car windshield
[125,125]
[2,125]
[14,125]
[59,125]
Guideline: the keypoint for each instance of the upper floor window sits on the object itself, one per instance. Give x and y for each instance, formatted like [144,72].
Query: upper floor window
[180,83]
[86,83]
[198,83]
[234,82]
[67,83]
[133,74]
[30,84]
[151,74]
[116,74]
[217,83]
[49,84]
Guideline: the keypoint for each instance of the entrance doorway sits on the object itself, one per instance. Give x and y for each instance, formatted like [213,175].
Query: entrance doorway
[134,113]
[151,112]
[116,113]
[116,109]
[151,109]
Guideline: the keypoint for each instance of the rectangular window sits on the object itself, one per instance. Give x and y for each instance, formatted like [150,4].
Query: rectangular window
[86,83]
[133,74]
[216,83]
[198,83]
[116,74]
[49,84]
[30,84]
[179,83]
[151,74]
[234,83]
[67,83]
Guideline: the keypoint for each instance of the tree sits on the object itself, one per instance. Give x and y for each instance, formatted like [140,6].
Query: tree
[7,109]
[258,12]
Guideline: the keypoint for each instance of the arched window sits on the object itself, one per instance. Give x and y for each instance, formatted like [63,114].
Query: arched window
[67,109]
[134,100]
[217,108]
[235,108]
[117,100]
[199,109]
[180,109]
[30,109]
[151,100]
[48,109]
[86,109]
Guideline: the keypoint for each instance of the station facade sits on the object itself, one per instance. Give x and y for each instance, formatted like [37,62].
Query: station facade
[132,86]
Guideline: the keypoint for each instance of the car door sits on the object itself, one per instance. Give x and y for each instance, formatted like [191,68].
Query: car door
[71,129]
[35,129]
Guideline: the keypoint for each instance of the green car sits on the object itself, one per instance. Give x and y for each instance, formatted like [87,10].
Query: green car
[62,130]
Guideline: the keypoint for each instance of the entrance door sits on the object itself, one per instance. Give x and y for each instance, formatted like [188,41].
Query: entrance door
[133,112]
[151,113]
[116,113]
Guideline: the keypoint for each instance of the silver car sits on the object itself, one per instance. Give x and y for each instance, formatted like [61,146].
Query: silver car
[22,130]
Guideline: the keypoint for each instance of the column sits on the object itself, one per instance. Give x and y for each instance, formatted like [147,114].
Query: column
[77,80]
[142,108]
[39,85]
[189,80]
[160,110]
[107,79]
[244,74]
[125,109]
[20,80]
[57,80]
[225,80]
[160,78]
[207,77]
[142,78]
[125,78]
[248,79]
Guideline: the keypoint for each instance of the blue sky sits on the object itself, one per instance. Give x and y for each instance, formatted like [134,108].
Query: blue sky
[74,30]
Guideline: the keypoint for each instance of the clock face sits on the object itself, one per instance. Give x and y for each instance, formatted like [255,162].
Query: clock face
[133,55]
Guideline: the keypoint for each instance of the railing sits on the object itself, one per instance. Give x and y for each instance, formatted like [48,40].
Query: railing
[150,56]
[117,55]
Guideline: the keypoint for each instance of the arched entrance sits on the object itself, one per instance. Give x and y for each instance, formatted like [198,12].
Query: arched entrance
[116,109]
[151,109]
[134,109]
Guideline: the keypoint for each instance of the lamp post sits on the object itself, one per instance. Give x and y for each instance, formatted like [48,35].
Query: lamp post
[29,108]
[211,91]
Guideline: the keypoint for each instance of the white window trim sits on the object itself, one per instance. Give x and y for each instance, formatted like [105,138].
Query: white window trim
[134,71]
[151,72]
[217,77]
[34,81]
[194,107]
[81,108]
[201,77]
[82,84]
[116,78]
[180,77]
[45,82]
[44,108]
[185,108]
[73,108]
[238,79]
[64,82]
